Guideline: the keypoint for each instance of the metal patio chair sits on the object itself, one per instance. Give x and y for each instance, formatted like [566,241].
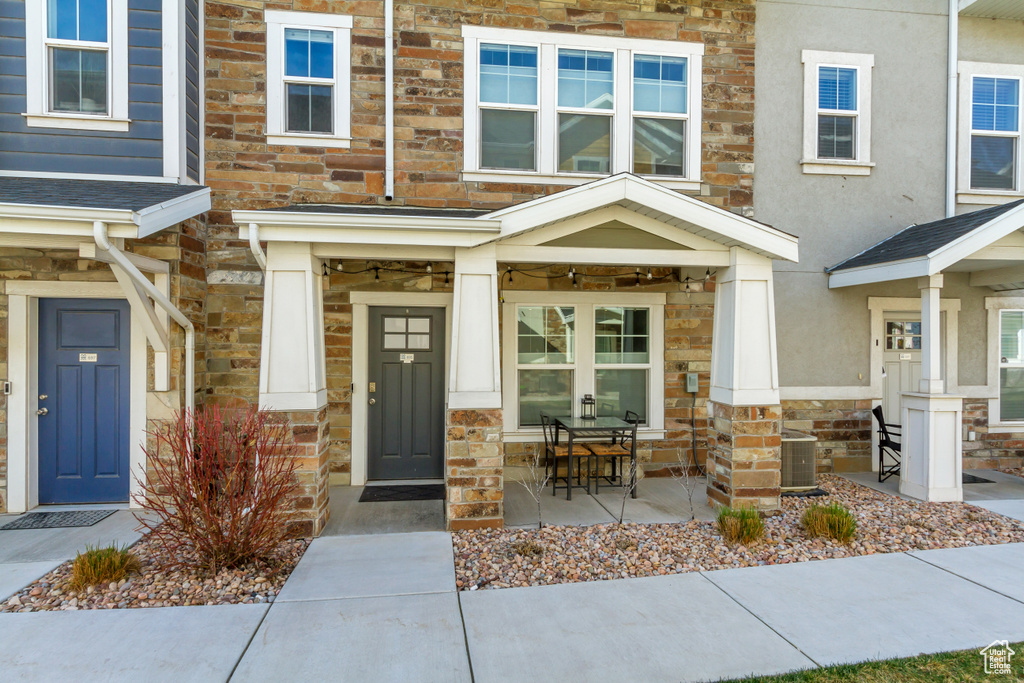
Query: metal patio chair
[888,447]
[621,447]
[555,451]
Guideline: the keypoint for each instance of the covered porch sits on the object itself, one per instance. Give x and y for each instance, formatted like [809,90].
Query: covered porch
[987,247]
[345,282]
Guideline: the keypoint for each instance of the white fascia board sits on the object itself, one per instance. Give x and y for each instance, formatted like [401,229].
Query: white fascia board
[284,219]
[752,235]
[672,258]
[62,220]
[978,239]
[883,272]
[159,216]
[334,235]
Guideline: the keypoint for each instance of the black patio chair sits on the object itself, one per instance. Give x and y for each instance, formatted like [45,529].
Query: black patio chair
[888,447]
[621,447]
[555,451]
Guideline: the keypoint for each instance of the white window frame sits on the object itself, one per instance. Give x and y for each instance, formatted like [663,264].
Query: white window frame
[38,80]
[548,44]
[863,64]
[995,305]
[341,25]
[584,367]
[968,72]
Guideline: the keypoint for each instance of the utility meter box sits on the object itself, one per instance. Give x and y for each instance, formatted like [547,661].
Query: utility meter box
[692,385]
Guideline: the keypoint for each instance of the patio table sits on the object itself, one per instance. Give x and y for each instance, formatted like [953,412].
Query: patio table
[576,427]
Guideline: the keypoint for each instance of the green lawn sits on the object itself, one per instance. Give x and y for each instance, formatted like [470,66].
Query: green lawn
[962,666]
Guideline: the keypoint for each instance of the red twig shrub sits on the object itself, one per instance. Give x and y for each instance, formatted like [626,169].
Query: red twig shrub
[217,494]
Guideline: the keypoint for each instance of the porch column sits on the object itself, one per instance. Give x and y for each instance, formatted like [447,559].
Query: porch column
[931,465]
[292,370]
[474,451]
[744,464]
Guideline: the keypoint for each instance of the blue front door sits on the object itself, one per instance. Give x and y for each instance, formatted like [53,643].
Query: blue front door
[84,400]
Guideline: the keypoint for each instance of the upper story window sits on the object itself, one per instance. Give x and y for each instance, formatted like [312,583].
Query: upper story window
[990,122]
[995,133]
[837,113]
[308,77]
[77,64]
[569,108]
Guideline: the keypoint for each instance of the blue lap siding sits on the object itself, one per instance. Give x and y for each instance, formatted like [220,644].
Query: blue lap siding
[138,152]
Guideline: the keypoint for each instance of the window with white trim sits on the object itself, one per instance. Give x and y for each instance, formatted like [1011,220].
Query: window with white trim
[991,118]
[559,352]
[308,78]
[76,64]
[837,113]
[1011,366]
[995,132]
[573,107]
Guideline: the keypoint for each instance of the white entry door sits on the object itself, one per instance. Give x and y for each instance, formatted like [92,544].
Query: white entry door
[902,362]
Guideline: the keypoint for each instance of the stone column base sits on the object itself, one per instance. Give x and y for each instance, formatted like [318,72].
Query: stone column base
[309,435]
[744,456]
[474,454]
[930,467]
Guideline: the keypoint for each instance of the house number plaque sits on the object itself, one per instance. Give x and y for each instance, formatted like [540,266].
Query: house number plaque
[406,357]
[87,358]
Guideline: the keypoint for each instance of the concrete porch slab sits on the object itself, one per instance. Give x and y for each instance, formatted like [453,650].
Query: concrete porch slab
[349,517]
[997,567]
[16,575]
[32,545]
[1001,486]
[366,566]
[171,644]
[872,607]
[659,500]
[521,508]
[666,628]
[1009,508]
[398,638]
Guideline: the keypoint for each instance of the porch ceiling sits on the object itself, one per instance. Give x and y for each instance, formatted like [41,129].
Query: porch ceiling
[992,9]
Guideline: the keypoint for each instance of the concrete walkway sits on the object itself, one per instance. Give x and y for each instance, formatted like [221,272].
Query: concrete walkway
[384,608]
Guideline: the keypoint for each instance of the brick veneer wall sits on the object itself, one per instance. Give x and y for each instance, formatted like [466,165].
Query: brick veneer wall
[989,450]
[182,246]
[244,172]
[843,429]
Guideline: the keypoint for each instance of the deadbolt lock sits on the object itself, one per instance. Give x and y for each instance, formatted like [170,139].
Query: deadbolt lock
[43,397]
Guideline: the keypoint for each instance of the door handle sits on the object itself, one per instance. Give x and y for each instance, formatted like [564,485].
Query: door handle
[373,401]
[42,411]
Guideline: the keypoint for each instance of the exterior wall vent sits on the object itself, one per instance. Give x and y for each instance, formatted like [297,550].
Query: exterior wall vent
[799,456]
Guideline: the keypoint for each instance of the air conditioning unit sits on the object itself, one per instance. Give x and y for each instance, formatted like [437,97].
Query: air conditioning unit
[799,456]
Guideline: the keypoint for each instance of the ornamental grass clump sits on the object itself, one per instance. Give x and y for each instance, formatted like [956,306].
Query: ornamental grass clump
[219,488]
[831,521]
[742,526]
[103,565]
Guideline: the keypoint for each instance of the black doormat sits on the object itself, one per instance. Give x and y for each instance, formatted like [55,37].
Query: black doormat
[56,520]
[400,492]
[971,479]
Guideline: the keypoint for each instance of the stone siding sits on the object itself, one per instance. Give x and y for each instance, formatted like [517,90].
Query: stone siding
[843,429]
[989,450]
[309,434]
[745,457]
[473,469]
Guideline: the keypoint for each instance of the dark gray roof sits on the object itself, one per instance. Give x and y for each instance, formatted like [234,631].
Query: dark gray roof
[382,210]
[90,194]
[920,240]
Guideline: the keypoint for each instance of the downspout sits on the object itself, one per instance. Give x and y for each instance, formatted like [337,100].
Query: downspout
[254,247]
[951,101]
[389,100]
[99,231]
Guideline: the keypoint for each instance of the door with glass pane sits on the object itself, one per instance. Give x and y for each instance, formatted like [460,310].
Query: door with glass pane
[406,393]
[902,363]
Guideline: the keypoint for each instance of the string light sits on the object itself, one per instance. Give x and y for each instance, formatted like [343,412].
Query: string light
[509,271]
[707,275]
[649,274]
[430,268]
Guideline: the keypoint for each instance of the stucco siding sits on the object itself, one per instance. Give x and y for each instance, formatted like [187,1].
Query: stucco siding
[824,336]
[137,152]
[991,40]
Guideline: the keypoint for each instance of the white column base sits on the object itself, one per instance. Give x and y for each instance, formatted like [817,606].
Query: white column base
[932,466]
[467,400]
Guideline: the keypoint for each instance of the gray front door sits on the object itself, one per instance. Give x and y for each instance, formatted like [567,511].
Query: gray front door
[406,393]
